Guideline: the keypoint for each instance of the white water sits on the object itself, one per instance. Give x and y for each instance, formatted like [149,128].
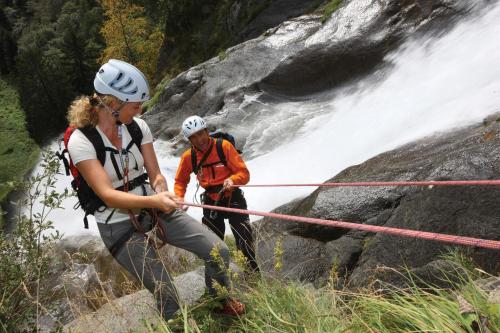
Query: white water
[433,85]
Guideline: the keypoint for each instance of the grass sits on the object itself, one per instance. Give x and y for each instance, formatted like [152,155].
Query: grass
[275,305]
[329,9]
[157,92]
[222,55]
[279,306]
[18,152]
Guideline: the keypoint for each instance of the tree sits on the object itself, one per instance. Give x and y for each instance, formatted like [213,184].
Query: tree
[129,36]
[57,60]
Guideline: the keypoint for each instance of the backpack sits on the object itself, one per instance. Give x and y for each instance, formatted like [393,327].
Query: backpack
[219,136]
[87,199]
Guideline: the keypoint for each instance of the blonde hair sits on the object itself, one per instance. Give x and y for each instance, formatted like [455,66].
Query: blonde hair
[84,110]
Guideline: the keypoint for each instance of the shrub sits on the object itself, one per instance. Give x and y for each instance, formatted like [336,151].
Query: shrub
[25,255]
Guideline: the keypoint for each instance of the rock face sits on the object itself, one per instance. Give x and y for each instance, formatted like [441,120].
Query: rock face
[243,20]
[85,277]
[471,153]
[132,313]
[299,57]
[273,13]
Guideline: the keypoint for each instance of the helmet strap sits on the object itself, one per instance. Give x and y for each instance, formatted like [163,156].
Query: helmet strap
[115,113]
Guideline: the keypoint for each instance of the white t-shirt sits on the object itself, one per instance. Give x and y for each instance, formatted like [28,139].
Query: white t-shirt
[81,149]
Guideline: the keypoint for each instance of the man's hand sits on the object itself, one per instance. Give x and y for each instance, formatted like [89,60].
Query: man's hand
[183,207]
[228,183]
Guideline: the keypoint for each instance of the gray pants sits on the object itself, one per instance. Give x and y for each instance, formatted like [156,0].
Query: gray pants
[141,259]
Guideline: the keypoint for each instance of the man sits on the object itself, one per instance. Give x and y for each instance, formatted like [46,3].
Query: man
[218,166]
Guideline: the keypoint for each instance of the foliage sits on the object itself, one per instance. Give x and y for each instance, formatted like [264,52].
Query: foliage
[58,47]
[7,43]
[18,153]
[279,306]
[146,106]
[129,36]
[195,32]
[330,8]
[25,255]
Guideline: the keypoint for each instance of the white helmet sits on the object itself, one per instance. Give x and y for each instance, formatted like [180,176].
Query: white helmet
[192,125]
[122,80]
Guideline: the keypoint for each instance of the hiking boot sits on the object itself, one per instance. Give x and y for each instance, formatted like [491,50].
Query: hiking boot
[232,307]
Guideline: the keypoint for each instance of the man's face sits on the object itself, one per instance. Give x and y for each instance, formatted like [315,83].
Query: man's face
[200,140]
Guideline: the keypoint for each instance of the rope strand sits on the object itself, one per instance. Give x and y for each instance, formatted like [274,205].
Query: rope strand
[401,183]
[453,239]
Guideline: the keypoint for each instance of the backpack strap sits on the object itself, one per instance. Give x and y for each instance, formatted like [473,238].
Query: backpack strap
[220,152]
[62,156]
[136,134]
[195,165]
[95,138]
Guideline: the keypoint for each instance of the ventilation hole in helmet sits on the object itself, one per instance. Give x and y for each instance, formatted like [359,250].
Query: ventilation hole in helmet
[143,95]
[101,71]
[129,82]
[119,76]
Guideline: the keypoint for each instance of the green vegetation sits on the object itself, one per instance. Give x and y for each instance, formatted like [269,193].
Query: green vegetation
[58,44]
[222,55]
[25,254]
[54,48]
[19,152]
[157,92]
[196,32]
[315,5]
[130,36]
[329,9]
[275,306]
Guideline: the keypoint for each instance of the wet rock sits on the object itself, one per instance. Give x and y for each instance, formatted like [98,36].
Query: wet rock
[472,211]
[292,257]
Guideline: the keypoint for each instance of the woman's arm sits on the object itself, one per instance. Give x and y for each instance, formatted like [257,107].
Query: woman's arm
[97,178]
[158,181]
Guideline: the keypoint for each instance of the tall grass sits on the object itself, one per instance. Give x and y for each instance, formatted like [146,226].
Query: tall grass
[279,306]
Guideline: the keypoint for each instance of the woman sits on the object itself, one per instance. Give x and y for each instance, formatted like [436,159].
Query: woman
[120,90]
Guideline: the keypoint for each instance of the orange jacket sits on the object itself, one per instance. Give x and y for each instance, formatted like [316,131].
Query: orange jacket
[213,175]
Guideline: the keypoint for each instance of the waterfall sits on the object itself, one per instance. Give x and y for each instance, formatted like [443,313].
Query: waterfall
[431,84]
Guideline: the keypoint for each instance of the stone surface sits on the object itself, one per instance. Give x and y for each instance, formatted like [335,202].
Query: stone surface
[132,313]
[469,153]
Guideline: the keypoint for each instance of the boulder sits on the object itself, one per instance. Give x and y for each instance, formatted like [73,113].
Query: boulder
[137,311]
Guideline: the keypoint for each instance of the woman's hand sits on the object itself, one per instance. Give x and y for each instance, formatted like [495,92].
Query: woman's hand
[166,201]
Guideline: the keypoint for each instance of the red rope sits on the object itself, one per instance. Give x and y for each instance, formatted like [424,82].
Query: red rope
[460,240]
[402,183]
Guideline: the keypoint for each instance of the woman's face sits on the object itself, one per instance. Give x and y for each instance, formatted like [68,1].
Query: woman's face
[129,111]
